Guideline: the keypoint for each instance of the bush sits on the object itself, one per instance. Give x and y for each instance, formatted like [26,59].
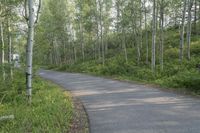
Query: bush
[195,48]
[171,53]
[186,79]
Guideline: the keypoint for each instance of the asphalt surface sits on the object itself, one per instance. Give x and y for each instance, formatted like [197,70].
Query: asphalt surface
[121,107]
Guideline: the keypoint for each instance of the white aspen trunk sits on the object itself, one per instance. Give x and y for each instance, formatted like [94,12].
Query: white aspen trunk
[9,43]
[10,49]
[195,16]
[2,44]
[75,57]
[141,36]
[106,40]
[2,52]
[74,47]
[147,45]
[124,45]
[101,27]
[97,32]
[97,42]
[190,3]
[30,49]
[153,60]
[82,43]
[161,34]
[182,32]
[156,13]
[134,27]
[124,40]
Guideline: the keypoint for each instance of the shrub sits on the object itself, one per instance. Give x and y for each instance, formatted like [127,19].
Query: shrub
[195,48]
[171,53]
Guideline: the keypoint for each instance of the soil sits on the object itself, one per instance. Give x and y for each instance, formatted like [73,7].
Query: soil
[80,122]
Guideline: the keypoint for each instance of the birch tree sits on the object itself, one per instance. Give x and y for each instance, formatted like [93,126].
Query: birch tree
[32,18]
[146,32]
[100,2]
[190,4]
[153,58]
[182,31]
[162,8]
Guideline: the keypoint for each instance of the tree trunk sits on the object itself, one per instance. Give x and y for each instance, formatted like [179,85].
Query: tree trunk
[9,43]
[30,49]
[147,45]
[2,51]
[10,49]
[161,34]
[182,32]
[82,43]
[195,16]
[124,45]
[2,44]
[153,60]
[190,4]
[101,27]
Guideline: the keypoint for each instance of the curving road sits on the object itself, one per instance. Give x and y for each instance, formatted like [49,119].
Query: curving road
[120,107]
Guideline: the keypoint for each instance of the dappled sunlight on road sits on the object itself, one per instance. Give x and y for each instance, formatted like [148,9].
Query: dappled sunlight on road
[120,107]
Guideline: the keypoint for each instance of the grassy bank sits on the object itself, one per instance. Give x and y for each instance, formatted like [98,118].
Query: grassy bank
[51,110]
[184,77]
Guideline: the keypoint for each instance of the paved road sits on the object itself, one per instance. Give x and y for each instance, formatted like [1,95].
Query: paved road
[120,107]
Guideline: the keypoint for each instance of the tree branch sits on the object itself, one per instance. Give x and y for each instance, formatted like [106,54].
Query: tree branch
[38,11]
[26,10]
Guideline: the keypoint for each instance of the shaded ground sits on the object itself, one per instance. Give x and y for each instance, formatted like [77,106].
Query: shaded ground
[80,121]
[120,107]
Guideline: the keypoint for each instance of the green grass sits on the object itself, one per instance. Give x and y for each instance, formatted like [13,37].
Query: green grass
[51,109]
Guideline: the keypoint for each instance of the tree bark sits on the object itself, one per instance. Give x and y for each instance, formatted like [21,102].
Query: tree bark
[30,49]
[124,45]
[195,16]
[161,33]
[2,44]
[189,25]
[146,32]
[153,60]
[182,32]
[9,43]
[101,32]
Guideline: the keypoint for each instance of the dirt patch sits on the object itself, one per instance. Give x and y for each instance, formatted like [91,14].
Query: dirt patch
[80,122]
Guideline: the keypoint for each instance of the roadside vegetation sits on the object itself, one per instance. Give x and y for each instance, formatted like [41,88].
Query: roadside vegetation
[155,42]
[182,77]
[51,109]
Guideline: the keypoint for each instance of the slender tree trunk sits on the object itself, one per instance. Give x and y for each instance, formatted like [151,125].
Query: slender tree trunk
[10,49]
[64,53]
[82,43]
[9,43]
[156,13]
[124,45]
[74,48]
[153,60]
[106,41]
[195,16]
[182,32]
[147,45]
[97,42]
[161,34]
[30,49]
[134,27]
[2,51]
[190,4]
[141,36]
[101,27]
[2,44]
